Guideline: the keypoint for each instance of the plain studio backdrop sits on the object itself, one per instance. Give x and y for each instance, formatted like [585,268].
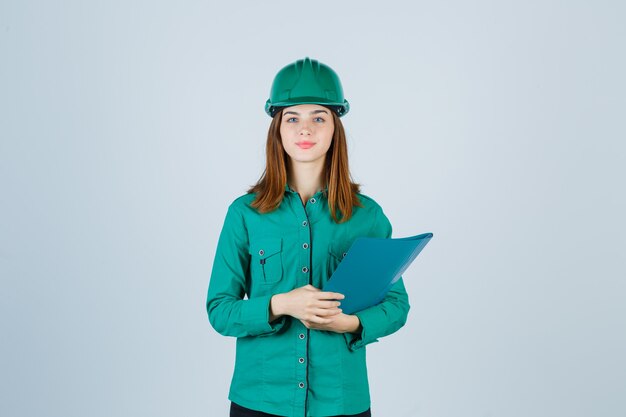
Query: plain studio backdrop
[127,128]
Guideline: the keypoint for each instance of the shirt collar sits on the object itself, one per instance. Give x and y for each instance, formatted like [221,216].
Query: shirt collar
[323,191]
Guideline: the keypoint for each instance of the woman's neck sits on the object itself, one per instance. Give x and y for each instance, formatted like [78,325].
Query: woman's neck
[306,178]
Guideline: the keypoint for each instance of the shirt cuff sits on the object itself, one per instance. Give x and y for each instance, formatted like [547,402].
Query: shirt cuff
[368,318]
[257,313]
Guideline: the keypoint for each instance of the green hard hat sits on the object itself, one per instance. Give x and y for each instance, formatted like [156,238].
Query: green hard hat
[306,81]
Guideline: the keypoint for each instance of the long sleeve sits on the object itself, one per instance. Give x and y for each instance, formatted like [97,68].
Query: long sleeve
[229,313]
[390,314]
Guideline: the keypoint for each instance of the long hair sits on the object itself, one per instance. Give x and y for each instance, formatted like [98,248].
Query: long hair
[342,191]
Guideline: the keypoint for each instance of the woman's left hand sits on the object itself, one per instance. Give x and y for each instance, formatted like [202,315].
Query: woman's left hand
[341,323]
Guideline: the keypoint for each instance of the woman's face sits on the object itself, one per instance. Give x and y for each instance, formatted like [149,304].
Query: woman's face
[306,131]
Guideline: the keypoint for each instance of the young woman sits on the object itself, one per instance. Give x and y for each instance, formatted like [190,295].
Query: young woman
[297,353]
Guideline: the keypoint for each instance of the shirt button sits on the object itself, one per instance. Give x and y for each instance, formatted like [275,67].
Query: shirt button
[344,254]
[305,269]
[301,336]
[261,252]
[301,384]
[305,245]
[312,201]
[301,360]
[304,223]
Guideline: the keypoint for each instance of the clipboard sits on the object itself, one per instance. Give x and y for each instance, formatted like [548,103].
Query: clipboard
[371,266]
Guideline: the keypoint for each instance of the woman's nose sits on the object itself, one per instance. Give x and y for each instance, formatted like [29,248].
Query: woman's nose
[305,129]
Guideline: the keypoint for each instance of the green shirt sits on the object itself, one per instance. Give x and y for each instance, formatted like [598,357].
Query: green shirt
[282,367]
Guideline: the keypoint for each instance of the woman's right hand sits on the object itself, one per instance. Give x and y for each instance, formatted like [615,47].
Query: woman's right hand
[306,303]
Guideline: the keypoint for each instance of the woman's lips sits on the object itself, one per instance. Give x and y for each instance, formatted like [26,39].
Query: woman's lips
[305,145]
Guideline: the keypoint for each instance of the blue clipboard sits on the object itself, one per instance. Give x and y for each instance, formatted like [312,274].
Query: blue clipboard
[371,266]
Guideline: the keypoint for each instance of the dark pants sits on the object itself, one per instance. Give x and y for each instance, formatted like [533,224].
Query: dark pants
[238,411]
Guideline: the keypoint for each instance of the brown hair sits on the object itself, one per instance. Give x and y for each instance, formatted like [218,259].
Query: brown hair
[341,194]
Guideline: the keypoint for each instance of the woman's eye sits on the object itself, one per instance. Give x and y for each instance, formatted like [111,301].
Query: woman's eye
[320,118]
[291,118]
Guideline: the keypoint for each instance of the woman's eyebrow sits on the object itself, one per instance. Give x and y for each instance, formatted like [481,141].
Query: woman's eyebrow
[298,114]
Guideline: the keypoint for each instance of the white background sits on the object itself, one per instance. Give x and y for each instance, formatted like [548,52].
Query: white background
[126,129]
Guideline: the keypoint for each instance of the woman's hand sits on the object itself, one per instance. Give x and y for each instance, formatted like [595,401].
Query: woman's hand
[308,304]
[340,323]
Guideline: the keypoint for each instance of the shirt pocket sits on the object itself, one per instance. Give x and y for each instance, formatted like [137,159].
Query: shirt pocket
[267,262]
[336,253]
